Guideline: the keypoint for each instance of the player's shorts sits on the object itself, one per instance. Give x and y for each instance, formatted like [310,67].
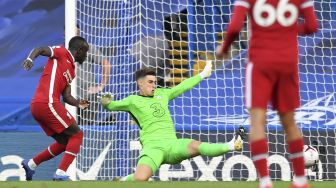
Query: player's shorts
[164,152]
[275,83]
[52,117]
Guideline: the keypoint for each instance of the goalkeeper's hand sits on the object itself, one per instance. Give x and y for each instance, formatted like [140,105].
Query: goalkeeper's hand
[106,99]
[207,69]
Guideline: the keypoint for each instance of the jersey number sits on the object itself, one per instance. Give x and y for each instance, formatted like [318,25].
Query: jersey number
[158,110]
[275,14]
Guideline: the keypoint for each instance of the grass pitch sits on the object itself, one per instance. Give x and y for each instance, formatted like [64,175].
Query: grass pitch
[170,184]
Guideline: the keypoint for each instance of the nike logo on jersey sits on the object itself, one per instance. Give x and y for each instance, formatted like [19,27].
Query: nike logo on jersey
[159,97]
[69,61]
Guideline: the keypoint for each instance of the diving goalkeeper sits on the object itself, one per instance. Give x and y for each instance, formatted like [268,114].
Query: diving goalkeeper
[157,132]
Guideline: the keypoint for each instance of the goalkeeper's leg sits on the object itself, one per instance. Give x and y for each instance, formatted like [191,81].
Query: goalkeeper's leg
[150,160]
[144,170]
[196,148]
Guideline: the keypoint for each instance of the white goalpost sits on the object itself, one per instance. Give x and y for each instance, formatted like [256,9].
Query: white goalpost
[176,37]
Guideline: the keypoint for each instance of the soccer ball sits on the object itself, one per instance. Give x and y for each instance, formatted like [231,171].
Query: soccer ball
[311,156]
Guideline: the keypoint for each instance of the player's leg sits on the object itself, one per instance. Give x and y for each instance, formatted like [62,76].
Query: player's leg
[61,122]
[40,112]
[145,169]
[289,81]
[52,151]
[196,148]
[258,89]
[259,145]
[142,172]
[295,146]
[182,149]
[75,138]
[60,138]
[149,162]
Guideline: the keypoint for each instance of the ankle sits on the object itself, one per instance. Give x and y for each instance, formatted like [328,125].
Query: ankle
[61,172]
[299,180]
[32,165]
[231,144]
[265,182]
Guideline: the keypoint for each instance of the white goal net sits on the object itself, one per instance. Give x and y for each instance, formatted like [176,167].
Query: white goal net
[176,37]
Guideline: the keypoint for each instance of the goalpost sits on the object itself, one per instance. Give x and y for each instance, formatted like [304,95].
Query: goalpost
[176,37]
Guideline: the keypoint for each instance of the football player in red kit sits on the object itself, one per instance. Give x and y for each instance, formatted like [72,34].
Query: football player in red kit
[47,108]
[272,73]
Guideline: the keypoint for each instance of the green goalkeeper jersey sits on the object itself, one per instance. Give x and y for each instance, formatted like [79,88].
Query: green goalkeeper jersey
[152,113]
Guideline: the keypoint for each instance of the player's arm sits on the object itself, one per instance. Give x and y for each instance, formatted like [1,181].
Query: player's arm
[98,56]
[44,51]
[310,25]
[237,21]
[107,101]
[68,98]
[190,82]
[106,72]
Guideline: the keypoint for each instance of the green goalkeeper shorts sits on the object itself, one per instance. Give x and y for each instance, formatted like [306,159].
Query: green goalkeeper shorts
[164,152]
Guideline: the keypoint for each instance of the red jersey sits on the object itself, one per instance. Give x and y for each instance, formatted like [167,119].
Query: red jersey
[273,28]
[57,74]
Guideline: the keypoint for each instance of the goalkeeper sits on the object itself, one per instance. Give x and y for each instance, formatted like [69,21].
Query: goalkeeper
[157,132]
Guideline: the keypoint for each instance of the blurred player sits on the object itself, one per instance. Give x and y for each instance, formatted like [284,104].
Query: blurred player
[272,73]
[47,108]
[157,132]
[89,88]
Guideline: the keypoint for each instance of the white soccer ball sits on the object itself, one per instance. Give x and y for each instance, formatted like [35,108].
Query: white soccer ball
[311,155]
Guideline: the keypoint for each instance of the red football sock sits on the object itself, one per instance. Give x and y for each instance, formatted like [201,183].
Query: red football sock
[295,148]
[52,151]
[72,148]
[259,152]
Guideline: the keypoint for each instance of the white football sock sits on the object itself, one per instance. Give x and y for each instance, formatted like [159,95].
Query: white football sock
[32,165]
[231,144]
[299,180]
[265,181]
[61,172]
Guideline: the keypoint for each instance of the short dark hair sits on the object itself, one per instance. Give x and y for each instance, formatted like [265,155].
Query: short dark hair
[77,42]
[144,72]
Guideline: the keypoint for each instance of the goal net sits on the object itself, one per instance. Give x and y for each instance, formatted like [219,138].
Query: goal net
[176,37]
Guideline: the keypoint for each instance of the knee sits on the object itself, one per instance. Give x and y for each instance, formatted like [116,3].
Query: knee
[63,141]
[80,134]
[141,177]
[76,134]
[144,171]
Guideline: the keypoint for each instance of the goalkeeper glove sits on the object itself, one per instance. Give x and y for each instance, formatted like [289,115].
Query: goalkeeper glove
[207,69]
[106,99]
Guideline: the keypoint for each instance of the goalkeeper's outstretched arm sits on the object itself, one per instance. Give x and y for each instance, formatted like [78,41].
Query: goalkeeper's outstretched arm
[107,101]
[190,82]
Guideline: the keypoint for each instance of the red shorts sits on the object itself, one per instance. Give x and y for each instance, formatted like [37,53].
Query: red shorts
[52,117]
[278,83]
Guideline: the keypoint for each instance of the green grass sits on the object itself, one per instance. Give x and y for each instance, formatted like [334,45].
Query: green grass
[171,184]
